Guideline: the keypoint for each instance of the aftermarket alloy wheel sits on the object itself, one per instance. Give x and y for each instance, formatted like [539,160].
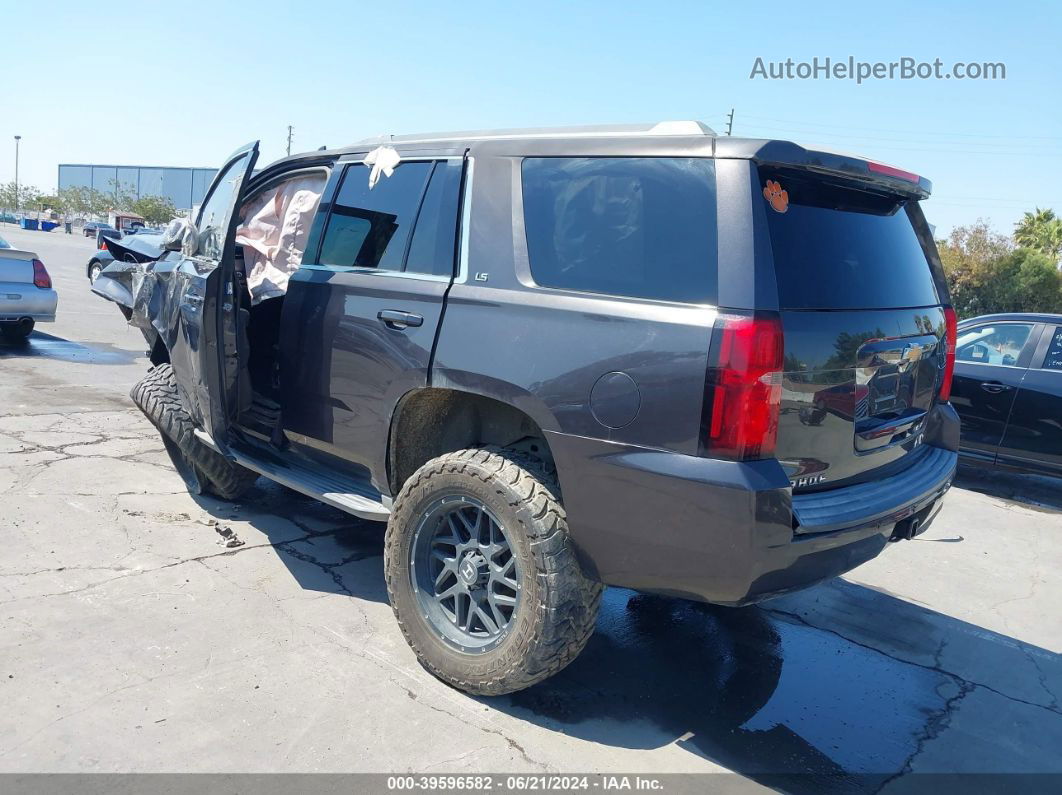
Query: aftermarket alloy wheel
[481,573]
[464,573]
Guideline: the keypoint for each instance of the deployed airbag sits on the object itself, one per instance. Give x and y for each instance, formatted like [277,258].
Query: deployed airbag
[273,231]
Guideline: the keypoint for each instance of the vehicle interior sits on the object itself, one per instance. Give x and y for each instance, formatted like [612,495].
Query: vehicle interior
[1000,344]
[273,228]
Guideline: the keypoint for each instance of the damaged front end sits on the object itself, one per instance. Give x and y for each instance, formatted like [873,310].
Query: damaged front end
[171,296]
[140,291]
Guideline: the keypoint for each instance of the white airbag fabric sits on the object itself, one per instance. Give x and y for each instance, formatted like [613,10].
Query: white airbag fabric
[382,158]
[273,233]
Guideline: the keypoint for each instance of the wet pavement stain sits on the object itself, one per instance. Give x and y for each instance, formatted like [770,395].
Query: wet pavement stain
[790,705]
[46,346]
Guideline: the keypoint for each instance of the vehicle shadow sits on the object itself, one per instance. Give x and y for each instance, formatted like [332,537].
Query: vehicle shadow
[333,552]
[46,346]
[839,688]
[1040,492]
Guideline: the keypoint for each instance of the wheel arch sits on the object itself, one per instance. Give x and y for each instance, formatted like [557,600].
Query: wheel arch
[431,421]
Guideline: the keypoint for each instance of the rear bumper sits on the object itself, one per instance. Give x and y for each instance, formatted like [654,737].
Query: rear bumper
[723,531]
[18,300]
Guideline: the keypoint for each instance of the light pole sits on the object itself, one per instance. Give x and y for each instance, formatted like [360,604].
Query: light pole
[17,139]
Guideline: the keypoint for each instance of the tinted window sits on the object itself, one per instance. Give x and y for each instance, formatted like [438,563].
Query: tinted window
[995,344]
[369,228]
[432,249]
[642,227]
[1053,359]
[837,248]
[215,212]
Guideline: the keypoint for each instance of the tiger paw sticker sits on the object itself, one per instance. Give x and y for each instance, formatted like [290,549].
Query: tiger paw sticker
[776,196]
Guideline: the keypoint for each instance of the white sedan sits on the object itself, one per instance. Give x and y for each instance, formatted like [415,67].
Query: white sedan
[26,294]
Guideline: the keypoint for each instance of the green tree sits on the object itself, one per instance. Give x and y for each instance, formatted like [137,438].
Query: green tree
[1037,282]
[987,274]
[26,198]
[52,203]
[969,257]
[1041,231]
[155,209]
[84,201]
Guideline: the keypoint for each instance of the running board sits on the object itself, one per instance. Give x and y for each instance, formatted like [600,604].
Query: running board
[357,497]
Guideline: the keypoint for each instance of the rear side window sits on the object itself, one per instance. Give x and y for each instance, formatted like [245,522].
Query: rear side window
[995,344]
[432,249]
[370,228]
[839,248]
[1053,357]
[639,227]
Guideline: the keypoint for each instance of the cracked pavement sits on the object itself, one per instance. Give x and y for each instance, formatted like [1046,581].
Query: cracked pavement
[133,639]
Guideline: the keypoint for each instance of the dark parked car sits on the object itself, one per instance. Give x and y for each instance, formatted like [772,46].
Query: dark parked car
[557,359]
[1008,391]
[93,228]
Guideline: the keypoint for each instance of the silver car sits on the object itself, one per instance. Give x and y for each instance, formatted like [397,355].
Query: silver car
[26,294]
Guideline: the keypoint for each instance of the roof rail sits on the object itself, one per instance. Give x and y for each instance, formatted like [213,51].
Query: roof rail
[586,131]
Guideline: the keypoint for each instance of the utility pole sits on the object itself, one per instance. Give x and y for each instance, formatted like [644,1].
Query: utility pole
[290,128]
[17,139]
[730,122]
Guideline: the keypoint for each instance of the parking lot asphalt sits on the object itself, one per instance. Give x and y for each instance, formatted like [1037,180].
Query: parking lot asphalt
[132,638]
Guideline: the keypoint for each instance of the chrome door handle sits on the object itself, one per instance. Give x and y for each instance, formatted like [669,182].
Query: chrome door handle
[994,387]
[397,319]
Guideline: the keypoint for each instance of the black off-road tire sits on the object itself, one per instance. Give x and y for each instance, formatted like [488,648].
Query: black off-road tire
[559,604]
[204,470]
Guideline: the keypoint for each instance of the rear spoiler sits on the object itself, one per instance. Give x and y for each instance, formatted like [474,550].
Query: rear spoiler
[786,154]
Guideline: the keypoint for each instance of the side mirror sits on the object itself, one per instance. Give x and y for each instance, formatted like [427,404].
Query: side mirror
[181,235]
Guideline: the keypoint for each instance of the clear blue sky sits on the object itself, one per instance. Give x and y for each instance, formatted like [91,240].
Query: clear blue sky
[185,83]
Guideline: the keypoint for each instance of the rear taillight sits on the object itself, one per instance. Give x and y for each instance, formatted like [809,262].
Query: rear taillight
[101,244]
[743,387]
[40,275]
[950,334]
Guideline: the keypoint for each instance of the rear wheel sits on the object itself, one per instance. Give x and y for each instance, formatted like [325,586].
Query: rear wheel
[95,271]
[203,470]
[481,573]
[17,331]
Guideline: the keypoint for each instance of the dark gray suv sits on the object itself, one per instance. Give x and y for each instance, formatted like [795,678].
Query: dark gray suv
[553,360]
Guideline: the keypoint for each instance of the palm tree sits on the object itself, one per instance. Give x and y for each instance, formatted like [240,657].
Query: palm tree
[1040,230]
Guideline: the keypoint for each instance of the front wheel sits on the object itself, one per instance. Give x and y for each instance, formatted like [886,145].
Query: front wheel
[203,470]
[481,573]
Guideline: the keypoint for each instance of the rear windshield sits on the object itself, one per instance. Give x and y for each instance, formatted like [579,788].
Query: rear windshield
[838,248]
